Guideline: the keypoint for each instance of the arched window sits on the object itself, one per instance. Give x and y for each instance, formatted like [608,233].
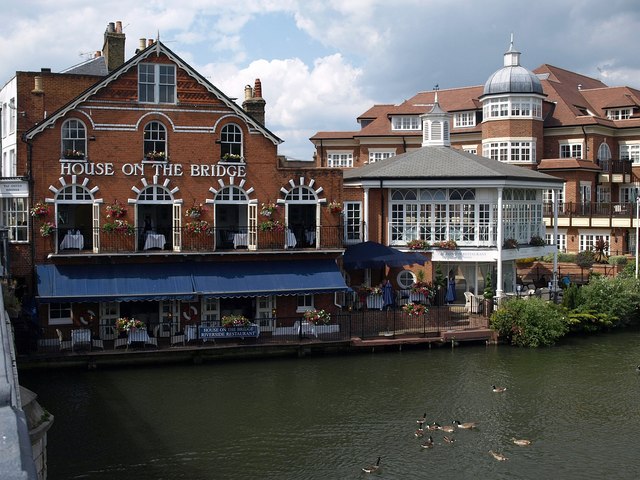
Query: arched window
[231,194]
[155,142]
[604,152]
[231,143]
[74,193]
[301,194]
[74,140]
[155,193]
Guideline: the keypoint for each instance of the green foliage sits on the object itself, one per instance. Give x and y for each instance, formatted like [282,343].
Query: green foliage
[562,257]
[618,260]
[589,321]
[570,297]
[488,287]
[530,323]
[617,297]
[585,259]
[439,280]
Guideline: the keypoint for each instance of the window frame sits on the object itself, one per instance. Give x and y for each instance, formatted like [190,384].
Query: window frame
[406,122]
[569,149]
[304,302]
[340,159]
[402,278]
[464,119]
[12,215]
[70,143]
[151,76]
[620,113]
[353,222]
[155,144]
[61,308]
[231,143]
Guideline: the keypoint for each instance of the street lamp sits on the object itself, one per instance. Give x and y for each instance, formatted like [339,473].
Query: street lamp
[637,231]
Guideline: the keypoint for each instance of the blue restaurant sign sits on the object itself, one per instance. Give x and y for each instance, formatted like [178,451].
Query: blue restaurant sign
[228,332]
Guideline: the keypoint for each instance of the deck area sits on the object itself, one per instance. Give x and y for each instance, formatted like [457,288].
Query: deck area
[366,330]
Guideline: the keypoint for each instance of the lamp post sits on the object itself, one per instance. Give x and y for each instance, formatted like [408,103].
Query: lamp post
[637,231]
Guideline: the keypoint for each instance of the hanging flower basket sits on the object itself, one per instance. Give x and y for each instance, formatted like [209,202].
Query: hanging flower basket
[46,229]
[427,289]
[195,212]
[317,317]
[40,210]
[267,209]
[116,210]
[335,207]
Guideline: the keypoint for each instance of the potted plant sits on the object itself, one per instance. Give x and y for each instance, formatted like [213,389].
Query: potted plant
[195,211]
[235,321]
[446,245]
[510,243]
[154,156]
[415,309]
[116,210]
[40,210]
[317,317]
[423,291]
[126,324]
[440,282]
[231,157]
[487,294]
[47,228]
[537,241]
[335,207]
[71,154]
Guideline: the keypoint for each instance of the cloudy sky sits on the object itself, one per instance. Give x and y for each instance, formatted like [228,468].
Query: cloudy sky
[324,62]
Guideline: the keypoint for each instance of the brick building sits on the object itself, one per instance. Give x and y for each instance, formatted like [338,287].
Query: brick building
[550,119]
[155,196]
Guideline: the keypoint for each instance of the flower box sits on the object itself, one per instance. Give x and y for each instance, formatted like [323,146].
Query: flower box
[155,156]
[73,154]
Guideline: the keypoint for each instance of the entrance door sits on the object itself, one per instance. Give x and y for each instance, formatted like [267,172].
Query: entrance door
[169,318]
[109,313]
[264,313]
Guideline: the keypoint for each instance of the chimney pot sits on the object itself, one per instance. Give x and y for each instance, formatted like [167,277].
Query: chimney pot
[142,44]
[119,26]
[98,54]
[37,85]
[257,89]
[111,27]
[248,92]
[150,42]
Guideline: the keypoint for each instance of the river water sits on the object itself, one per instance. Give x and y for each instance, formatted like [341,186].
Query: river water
[327,417]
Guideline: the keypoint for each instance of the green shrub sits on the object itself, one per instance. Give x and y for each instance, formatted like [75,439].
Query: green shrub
[562,257]
[589,321]
[618,260]
[530,323]
[585,259]
[570,297]
[617,297]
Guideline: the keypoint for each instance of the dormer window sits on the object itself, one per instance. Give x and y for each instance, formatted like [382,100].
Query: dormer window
[405,122]
[464,119]
[619,113]
[156,83]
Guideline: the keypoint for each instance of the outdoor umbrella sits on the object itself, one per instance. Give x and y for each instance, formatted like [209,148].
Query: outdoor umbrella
[387,295]
[375,255]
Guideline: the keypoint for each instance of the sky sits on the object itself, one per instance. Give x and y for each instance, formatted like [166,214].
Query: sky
[324,62]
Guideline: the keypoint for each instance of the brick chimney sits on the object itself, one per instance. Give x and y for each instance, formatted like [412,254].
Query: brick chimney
[253,102]
[113,47]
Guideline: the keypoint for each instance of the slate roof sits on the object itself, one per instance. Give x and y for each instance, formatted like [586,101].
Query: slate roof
[444,163]
[94,66]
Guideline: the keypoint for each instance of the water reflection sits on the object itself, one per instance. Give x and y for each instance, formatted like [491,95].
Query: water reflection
[321,418]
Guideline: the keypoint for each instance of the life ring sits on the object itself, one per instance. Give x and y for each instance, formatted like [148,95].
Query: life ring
[92,316]
[188,314]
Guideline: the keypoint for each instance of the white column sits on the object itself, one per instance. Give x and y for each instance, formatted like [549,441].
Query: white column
[500,240]
[637,231]
[554,199]
[365,213]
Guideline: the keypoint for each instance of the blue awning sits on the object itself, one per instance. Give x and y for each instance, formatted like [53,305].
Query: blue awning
[184,281]
[114,283]
[249,279]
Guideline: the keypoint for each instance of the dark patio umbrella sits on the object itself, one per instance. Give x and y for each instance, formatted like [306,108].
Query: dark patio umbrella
[387,295]
[375,255]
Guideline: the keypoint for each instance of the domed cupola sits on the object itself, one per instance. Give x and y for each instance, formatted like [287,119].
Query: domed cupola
[435,126]
[512,78]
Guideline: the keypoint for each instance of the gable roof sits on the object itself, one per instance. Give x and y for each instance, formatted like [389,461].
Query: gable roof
[445,163]
[155,49]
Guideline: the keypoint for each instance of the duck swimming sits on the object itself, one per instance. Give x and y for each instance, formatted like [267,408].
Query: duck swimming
[421,421]
[372,468]
[498,456]
[428,443]
[498,389]
[448,439]
[522,442]
[466,425]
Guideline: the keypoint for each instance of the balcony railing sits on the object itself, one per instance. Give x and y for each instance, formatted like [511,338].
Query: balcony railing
[578,209]
[231,238]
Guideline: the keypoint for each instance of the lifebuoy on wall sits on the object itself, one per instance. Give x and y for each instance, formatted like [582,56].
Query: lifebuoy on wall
[191,314]
[90,315]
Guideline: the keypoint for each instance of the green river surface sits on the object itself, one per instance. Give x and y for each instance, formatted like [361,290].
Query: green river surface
[326,417]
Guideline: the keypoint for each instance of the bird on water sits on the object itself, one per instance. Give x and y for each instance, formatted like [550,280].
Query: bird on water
[372,468]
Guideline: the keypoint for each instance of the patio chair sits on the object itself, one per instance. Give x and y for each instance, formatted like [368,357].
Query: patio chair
[64,344]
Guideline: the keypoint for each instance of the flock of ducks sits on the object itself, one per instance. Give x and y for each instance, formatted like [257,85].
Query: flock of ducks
[425,428]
